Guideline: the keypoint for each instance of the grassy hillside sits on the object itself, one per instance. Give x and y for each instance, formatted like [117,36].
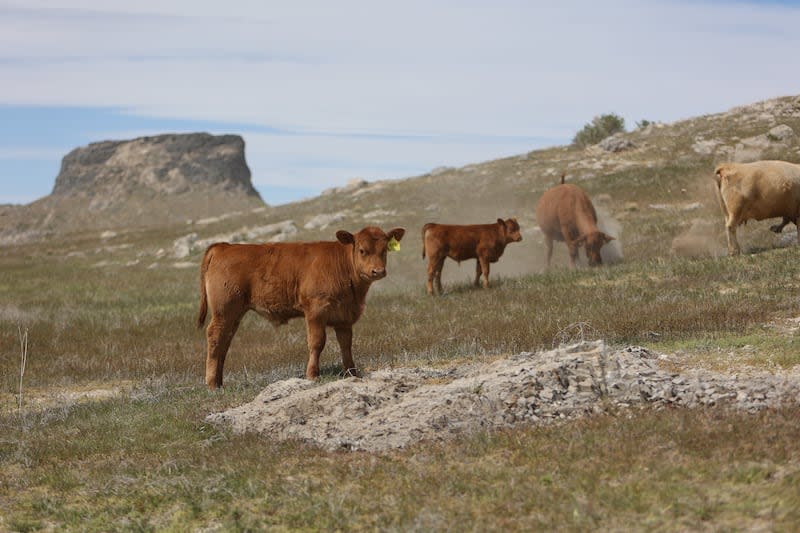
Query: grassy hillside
[110,434]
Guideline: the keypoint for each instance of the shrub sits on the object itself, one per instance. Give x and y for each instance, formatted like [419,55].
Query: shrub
[601,127]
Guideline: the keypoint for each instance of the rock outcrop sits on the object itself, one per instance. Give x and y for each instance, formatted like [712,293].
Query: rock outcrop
[139,183]
[163,165]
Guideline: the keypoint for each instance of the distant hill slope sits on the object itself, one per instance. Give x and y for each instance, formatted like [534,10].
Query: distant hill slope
[143,182]
[652,187]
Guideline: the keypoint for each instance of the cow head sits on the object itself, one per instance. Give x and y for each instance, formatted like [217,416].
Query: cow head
[593,242]
[370,246]
[511,228]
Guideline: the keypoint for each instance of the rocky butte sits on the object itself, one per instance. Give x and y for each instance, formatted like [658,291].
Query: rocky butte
[143,182]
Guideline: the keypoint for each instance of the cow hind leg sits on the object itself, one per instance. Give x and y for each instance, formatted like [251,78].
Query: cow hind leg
[778,228]
[478,272]
[219,334]
[548,241]
[798,231]
[733,243]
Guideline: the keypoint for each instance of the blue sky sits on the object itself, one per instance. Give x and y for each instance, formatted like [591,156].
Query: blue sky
[324,92]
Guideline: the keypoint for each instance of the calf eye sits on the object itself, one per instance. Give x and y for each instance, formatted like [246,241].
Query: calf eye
[362,251]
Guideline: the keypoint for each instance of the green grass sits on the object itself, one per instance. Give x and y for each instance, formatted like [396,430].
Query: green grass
[145,460]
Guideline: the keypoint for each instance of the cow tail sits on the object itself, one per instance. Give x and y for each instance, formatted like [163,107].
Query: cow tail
[201,315]
[718,192]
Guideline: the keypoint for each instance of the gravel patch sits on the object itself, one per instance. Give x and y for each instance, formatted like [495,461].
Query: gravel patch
[391,409]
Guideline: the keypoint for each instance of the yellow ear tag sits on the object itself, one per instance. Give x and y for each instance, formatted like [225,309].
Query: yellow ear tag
[394,245]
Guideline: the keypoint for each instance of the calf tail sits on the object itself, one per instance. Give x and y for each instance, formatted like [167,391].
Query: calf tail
[201,315]
[424,230]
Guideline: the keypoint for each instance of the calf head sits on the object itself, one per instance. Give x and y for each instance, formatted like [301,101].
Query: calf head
[370,246]
[593,242]
[512,229]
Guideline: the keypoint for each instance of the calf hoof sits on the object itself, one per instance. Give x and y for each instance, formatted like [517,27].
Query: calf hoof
[350,373]
[777,228]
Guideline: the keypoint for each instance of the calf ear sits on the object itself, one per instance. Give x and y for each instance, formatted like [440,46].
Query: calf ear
[397,233]
[345,237]
[501,221]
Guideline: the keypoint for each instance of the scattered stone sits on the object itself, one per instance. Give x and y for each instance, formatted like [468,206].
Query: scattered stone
[616,143]
[708,147]
[781,133]
[353,185]
[189,244]
[379,215]
[322,221]
[391,409]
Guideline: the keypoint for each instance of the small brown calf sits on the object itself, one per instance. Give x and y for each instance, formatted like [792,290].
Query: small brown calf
[483,242]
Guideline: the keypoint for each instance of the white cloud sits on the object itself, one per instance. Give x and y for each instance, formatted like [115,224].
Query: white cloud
[455,70]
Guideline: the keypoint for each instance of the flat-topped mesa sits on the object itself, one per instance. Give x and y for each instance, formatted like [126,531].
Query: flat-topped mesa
[170,164]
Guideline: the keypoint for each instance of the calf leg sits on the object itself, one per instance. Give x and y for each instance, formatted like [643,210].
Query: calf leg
[219,334]
[439,267]
[431,274]
[477,272]
[484,264]
[345,337]
[315,330]
[435,264]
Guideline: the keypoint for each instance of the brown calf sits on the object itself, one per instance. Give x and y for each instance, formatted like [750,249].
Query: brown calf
[565,213]
[483,242]
[325,282]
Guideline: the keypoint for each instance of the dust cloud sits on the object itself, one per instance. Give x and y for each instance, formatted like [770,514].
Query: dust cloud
[702,239]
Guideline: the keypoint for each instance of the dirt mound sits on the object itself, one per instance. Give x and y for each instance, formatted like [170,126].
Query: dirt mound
[391,409]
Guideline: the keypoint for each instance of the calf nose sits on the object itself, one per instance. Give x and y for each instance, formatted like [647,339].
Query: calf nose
[378,272]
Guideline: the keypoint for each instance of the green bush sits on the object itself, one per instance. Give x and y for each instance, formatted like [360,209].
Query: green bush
[601,127]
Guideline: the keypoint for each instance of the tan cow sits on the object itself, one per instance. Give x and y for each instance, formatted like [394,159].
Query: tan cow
[483,242]
[565,213]
[325,282]
[757,191]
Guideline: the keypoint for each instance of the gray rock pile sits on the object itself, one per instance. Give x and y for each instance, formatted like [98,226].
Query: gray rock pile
[391,409]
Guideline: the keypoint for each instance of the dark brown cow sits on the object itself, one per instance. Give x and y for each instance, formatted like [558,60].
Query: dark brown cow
[483,242]
[325,282]
[565,213]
